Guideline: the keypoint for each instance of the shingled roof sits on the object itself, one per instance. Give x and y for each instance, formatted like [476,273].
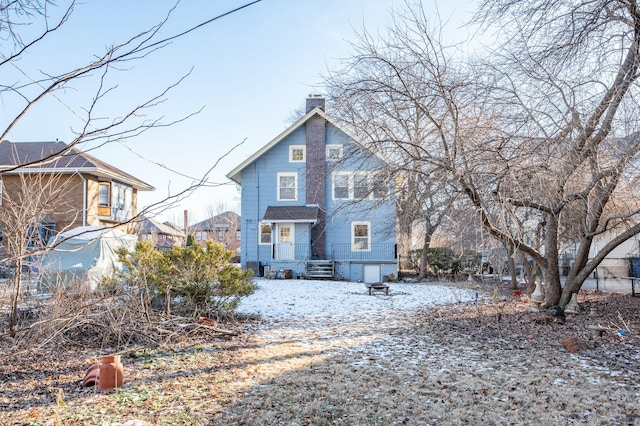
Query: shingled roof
[152,226]
[58,157]
[291,214]
[223,220]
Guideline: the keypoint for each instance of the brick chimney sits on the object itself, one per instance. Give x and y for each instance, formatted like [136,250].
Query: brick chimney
[316,133]
[314,101]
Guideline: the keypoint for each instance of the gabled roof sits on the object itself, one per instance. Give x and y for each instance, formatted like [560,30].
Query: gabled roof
[222,220]
[152,226]
[307,214]
[235,174]
[58,157]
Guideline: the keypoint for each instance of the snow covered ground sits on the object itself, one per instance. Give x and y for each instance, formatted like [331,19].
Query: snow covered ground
[303,298]
[328,353]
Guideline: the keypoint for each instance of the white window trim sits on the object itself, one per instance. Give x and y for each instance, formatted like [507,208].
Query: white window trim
[1,189]
[304,153]
[353,236]
[333,185]
[352,189]
[351,184]
[295,185]
[334,146]
[260,225]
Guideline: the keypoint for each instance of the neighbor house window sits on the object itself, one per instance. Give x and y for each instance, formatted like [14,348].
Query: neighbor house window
[360,236]
[220,235]
[334,152]
[104,199]
[238,233]
[201,235]
[287,186]
[38,235]
[104,194]
[0,192]
[121,201]
[265,233]
[297,153]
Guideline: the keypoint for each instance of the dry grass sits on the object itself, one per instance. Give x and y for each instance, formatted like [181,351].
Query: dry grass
[483,364]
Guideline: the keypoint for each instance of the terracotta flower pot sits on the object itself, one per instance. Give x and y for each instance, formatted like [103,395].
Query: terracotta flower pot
[92,375]
[111,373]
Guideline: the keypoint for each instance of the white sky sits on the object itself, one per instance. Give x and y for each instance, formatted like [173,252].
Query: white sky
[250,71]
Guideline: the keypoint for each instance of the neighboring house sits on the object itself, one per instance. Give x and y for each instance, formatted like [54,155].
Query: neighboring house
[162,235]
[223,228]
[55,190]
[311,204]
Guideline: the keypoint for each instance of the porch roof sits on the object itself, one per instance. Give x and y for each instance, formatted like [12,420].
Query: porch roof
[307,214]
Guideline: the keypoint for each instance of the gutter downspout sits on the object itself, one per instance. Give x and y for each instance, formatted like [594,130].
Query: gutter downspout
[84,199]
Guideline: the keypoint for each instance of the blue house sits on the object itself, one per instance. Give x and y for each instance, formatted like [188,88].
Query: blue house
[314,204]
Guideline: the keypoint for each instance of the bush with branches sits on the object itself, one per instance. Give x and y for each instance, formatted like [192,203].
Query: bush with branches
[192,280]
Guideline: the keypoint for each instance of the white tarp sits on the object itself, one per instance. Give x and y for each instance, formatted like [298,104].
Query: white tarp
[83,255]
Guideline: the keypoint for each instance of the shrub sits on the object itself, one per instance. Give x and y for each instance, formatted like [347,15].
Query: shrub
[192,280]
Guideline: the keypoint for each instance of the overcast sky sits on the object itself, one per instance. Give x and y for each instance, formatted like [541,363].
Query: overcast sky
[249,71]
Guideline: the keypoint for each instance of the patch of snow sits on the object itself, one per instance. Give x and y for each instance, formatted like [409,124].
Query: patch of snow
[302,298]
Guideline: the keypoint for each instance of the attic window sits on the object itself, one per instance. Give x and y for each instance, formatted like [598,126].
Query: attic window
[297,153]
[334,152]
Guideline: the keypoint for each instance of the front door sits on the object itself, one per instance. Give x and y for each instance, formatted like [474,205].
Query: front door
[285,235]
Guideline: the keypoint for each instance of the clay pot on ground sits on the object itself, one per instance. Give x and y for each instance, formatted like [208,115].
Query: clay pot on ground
[111,373]
[107,375]
[92,375]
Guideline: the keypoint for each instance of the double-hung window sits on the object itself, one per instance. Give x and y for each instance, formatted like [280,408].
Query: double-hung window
[265,233]
[360,236]
[104,199]
[358,186]
[287,186]
[341,186]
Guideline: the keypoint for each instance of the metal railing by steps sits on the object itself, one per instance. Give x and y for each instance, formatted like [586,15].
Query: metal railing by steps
[320,269]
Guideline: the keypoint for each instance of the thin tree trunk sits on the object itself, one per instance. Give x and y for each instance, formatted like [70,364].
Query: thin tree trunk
[512,266]
[424,259]
[17,276]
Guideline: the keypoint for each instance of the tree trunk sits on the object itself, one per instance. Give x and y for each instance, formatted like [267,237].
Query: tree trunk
[512,266]
[551,271]
[424,259]
[15,297]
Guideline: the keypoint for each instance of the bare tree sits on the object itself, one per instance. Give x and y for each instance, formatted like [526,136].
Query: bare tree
[401,109]
[540,134]
[565,88]
[36,201]
[26,24]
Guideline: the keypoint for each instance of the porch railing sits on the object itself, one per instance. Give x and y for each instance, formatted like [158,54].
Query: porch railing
[374,251]
[296,252]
